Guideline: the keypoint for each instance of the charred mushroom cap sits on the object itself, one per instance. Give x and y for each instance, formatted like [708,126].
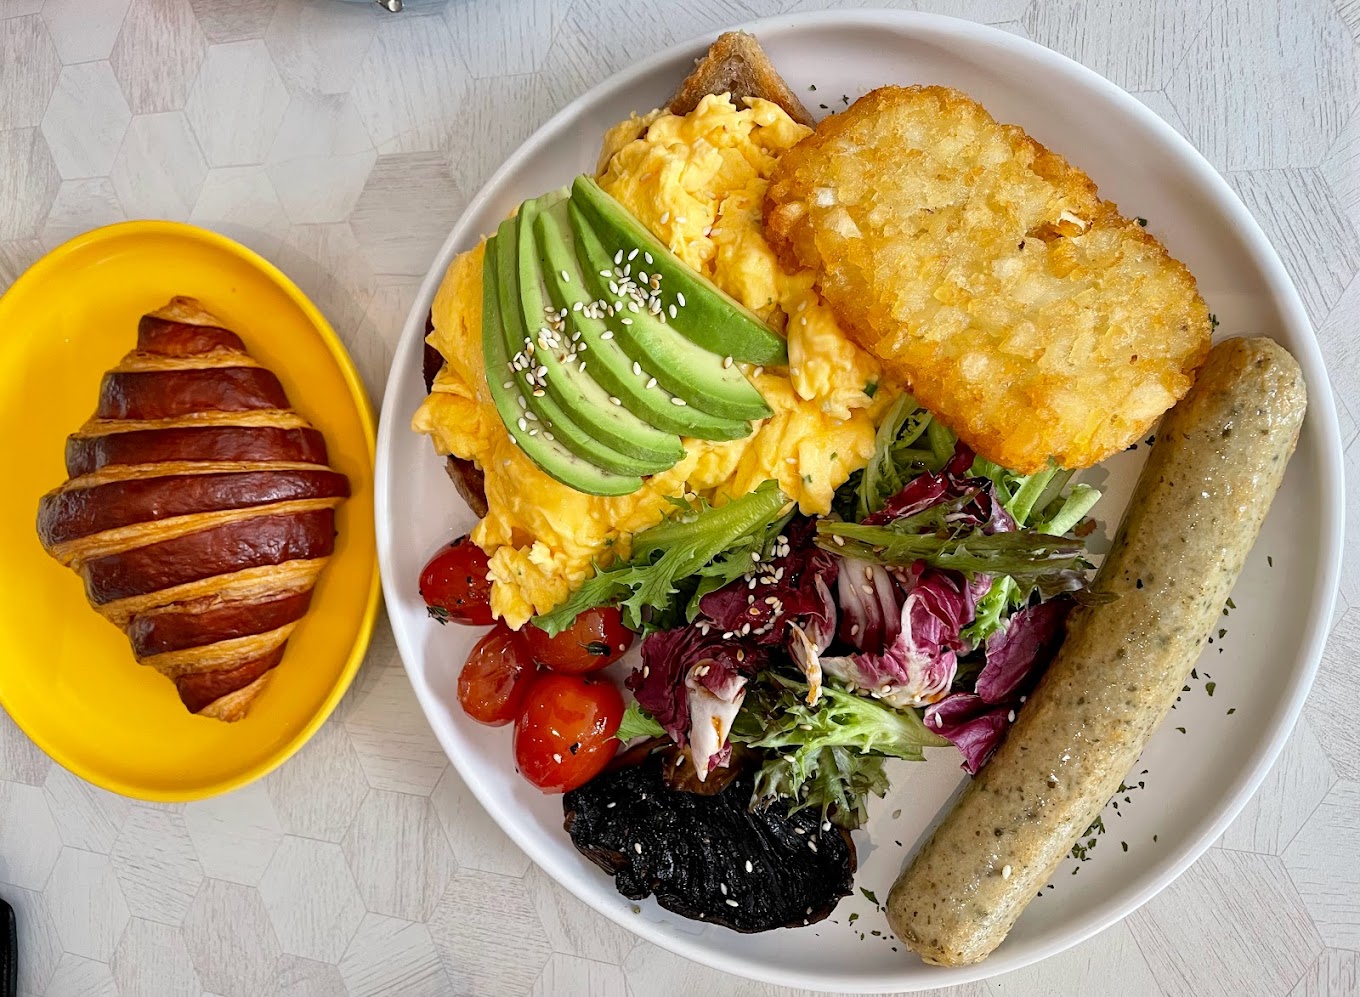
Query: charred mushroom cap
[711,858]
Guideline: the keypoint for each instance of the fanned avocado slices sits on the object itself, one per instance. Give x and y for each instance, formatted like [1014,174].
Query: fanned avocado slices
[640,388]
[551,456]
[598,370]
[530,373]
[705,380]
[709,316]
[565,376]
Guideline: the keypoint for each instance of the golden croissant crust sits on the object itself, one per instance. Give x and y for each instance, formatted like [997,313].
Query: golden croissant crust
[199,509]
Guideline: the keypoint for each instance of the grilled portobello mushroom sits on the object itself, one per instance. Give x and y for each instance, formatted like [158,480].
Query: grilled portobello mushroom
[694,852]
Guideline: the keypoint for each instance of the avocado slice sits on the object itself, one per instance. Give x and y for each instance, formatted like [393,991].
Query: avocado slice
[710,317]
[540,410]
[550,455]
[704,379]
[566,382]
[612,368]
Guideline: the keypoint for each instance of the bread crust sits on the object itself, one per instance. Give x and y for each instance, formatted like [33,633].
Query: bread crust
[199,509]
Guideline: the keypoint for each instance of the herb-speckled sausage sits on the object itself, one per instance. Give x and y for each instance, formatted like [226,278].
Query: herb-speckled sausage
[1197,509]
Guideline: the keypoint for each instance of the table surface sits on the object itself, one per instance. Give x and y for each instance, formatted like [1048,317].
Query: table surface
[342,143]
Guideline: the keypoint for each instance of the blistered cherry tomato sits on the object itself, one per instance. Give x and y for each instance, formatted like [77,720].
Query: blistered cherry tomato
[496,678]
[595,638]
[564,735]
[454,584]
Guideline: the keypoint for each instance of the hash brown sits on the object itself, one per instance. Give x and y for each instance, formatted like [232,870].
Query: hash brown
[989,276]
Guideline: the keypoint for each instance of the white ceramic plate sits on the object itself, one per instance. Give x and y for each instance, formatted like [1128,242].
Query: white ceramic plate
[1196,781]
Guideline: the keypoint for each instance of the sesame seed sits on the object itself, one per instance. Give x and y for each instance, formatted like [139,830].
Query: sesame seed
[1011,716]
[533,432]
[854,629]
[867,588]
[614,401]
[557,758]
[749,867]
[755,555]
[538,392]
[637,847]
[732,903]
[672,311]
[582,368]
[548,436]
[531,417]
[637,368]
[523,426]
[1005,872]
[646,670]
[607,334]
[727,362]
[633,255]
[680,297]
[678,401]
[508,385]
[758,371]
[613,288]
[839,540]
[723,887]
[812,845]
[665,218]
[642,276]
[826,825]
[626,321]
[651,382]
[522,402]
[618,257]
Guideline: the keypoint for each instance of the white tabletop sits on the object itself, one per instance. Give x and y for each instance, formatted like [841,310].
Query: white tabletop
[342,142]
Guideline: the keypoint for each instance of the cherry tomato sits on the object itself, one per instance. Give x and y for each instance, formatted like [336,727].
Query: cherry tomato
[595,638]
[496,678]
[564,735]
[454,584]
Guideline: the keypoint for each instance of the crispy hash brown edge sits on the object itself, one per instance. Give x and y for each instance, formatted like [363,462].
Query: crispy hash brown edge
[789,231]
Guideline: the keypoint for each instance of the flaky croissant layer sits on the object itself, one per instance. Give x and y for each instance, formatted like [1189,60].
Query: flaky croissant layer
[199,509]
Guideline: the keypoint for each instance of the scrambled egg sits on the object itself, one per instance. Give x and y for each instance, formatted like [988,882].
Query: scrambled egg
[698,182]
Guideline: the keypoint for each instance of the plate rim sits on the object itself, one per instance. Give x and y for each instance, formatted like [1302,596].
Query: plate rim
[1321,407]
[58,255]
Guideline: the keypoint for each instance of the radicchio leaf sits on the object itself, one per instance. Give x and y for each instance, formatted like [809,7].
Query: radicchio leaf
[920,664]
[793,587]
[870,606]
[971,501]
[975,726]
[1017,653]
[662,684]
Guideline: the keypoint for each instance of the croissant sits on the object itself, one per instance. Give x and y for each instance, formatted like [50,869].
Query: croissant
[199,509]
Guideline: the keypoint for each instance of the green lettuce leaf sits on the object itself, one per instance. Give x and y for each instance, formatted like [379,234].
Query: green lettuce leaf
[830,755]
[637,722]
[703,545]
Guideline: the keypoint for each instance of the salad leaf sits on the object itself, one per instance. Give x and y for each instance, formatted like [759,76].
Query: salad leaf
[1029,638]
[920,664]
[682,667]
[637,723]
[702,542]
[1023,554]
[793,585]
[827,755]
[973,725]
[896,458]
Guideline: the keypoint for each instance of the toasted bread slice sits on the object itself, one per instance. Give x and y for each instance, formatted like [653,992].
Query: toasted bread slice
[736,64]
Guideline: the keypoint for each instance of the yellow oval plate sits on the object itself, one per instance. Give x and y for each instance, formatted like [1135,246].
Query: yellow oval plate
[68,677]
